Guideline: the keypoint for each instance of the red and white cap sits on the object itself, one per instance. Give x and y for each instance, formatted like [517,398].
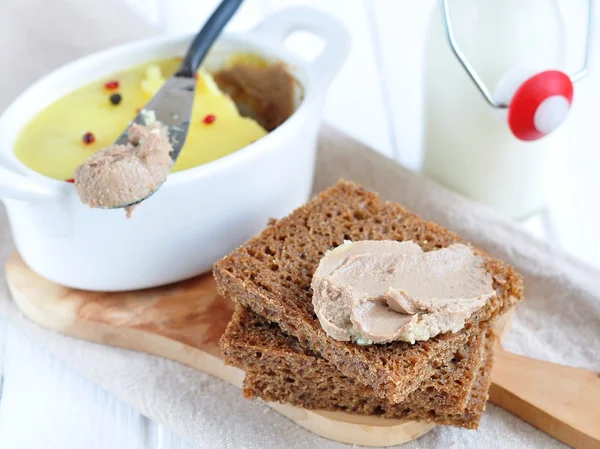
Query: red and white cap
[537,106]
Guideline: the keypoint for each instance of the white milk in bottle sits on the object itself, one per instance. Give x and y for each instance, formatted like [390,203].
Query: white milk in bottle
[468,145]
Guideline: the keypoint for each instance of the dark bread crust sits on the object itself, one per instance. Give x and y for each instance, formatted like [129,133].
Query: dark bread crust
[273,387]
[271,274]
[280,369]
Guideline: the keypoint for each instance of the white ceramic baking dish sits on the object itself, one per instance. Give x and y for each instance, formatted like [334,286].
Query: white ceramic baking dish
[198,215]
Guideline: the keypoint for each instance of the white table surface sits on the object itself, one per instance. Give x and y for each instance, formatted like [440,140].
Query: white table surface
[44,404]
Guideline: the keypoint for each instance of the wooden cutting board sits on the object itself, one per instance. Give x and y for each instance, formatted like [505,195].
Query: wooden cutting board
[185,321]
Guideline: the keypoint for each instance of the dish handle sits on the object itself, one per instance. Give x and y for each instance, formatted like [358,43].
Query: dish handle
[280,25]
[19,187]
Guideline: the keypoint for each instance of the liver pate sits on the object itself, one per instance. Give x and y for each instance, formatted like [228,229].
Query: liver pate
[383,291]
[120,175]
[267,94]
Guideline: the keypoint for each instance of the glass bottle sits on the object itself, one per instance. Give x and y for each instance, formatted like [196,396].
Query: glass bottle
[468,145]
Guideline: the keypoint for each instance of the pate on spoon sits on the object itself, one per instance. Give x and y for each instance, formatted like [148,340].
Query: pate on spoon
[138,163]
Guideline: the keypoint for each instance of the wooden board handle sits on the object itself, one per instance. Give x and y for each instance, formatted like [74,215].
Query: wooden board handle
[562,401]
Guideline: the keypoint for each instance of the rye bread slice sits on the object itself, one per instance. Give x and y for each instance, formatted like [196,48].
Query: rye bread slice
[271,274]
[273,386]
[280,369]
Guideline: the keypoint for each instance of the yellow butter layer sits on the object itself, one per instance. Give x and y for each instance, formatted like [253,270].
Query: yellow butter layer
[53,145]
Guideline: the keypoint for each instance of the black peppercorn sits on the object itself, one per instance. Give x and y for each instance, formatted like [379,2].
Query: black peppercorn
[115,99]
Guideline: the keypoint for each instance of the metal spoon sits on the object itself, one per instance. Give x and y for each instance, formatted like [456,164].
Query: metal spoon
[173,103]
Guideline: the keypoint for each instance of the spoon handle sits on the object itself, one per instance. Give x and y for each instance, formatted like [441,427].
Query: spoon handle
[562,401]
[207,35]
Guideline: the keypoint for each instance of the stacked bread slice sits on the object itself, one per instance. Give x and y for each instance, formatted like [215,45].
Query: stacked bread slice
[277,339]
